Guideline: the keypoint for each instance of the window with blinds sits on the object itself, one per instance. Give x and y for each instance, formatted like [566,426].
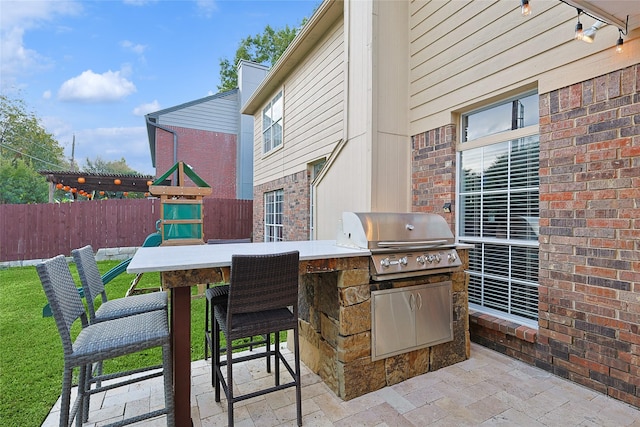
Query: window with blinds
[498,201]
[273,204]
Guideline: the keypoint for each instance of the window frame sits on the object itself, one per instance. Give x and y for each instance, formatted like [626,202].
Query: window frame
[481,242]
[273,218]
[268,147]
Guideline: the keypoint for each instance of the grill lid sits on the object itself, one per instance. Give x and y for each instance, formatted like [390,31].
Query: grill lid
[379,231]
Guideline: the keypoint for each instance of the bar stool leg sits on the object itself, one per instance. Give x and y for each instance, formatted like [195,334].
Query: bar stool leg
[207,331]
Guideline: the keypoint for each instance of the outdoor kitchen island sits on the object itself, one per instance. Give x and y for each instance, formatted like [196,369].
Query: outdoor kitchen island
[400,312]
[335,313]
[336,326]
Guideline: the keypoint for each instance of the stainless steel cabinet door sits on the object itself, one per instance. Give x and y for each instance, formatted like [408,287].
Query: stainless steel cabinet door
[434,314]
[393,323]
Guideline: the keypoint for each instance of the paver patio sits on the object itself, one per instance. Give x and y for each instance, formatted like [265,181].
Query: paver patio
[488,389]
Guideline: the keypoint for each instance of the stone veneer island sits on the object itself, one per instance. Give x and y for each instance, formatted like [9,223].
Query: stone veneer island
[335,326]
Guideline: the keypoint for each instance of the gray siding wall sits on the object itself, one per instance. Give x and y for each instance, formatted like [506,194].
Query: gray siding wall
[216,115]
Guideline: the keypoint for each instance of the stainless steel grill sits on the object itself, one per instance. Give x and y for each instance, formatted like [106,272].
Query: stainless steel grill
[402,244]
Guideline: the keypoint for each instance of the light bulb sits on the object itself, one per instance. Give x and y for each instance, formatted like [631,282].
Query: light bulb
[619,44]
[579,34]
[525,8]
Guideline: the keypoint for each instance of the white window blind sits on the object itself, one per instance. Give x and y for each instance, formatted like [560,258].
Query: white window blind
[499,213]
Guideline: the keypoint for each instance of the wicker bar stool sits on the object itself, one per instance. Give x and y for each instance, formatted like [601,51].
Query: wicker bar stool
[263,299]
[110,309]
[93,287]
[218,295]
[100,341]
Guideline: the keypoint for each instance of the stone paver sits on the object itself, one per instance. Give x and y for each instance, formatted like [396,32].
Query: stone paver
[489,389]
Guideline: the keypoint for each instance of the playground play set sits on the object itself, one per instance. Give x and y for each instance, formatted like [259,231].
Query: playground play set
[180,221]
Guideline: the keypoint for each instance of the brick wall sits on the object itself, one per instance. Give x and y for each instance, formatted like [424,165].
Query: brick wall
[590,233]
[295,209]
[433,171]
[589,294]
[211,154]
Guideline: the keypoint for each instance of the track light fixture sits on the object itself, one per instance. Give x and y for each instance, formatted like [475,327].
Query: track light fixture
[619,43]
[589,34]
[579,35]
[525,8]
[601,20]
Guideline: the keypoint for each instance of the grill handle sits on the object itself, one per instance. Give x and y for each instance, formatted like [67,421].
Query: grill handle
[421,243]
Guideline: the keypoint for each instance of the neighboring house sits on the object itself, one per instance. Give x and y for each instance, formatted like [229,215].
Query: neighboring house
[532,137]
[211,135]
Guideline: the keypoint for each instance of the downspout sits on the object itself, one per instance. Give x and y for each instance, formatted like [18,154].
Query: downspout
[175,145]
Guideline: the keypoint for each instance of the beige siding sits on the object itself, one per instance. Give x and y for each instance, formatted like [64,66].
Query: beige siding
[371,172]
[313,112]
[344,187]
[391,178]
[465,53]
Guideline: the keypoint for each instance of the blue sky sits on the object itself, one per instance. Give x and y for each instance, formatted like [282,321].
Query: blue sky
[93,69]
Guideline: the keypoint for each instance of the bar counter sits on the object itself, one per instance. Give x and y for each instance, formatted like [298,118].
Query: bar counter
[182,267]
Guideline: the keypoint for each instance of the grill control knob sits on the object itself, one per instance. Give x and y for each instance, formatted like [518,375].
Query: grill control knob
[451,257]
[403,260]
[437,257]
[430,259]
[420,260]
[384,262]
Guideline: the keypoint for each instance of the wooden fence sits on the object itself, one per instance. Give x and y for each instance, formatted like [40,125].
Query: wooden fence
[45,230]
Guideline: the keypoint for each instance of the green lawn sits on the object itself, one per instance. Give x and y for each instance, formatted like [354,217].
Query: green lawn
[31,351]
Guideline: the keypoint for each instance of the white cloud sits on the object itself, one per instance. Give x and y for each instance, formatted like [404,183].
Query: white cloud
[46,94]
[207,7]
[138,49]
[16,19]
[94,88]
[143,109]
[138,2]
[111,144]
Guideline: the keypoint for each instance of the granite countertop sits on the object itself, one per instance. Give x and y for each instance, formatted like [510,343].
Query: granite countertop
[189,257]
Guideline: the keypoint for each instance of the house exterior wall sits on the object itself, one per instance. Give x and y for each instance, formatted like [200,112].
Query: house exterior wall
[312,125]
[589,127]
[214,119]
[295,209]
[211,154]
[461,56]
[313,112]
[250,75]
[216,115]
[336,98]
[464,55]
[589,280]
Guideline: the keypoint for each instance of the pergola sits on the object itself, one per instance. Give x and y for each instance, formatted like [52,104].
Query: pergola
[97,182]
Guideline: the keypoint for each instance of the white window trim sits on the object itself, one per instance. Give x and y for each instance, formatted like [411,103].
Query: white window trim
[267,225]
[281,121]
[489,140]
[497,138]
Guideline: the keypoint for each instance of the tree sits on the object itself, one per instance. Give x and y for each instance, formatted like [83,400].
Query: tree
[99,165]
[19,183]
[22,136]
[265,48]
[25,148]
